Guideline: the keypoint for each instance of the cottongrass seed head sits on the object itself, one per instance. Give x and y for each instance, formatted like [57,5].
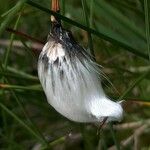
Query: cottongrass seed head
[71,80]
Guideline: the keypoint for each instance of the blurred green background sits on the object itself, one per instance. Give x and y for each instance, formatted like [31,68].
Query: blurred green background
[116,32]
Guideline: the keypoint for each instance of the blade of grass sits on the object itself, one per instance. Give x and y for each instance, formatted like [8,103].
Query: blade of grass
[4,117]
[102,142]
[114,136]
[120,19]
[26,114]
[91,13]
[8,74]
[99,34]
[20,122]
[63,4]
[17,87]
[10,142]
[109,32]
[147,24]
[7,12]
[6,55]
[28,118]
[11,15]
[128,7]
[90,41]
[11,136]
[58,141]
[110,21]
[28,49]
[19,73]
[134,84]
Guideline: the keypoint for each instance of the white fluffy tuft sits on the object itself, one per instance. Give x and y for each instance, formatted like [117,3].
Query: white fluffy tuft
[73,86]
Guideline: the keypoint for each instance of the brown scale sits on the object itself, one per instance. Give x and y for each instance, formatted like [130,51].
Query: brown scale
[56,8]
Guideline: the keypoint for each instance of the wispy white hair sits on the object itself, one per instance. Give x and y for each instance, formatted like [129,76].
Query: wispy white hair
[71,81]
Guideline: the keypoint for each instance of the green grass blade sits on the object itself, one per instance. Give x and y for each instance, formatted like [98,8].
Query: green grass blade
[7,12]
[91,13]
[99,34]
[118,19]
[58,141]
[90,41]
[11,15]
[8,74]
[29,50]
[28,118]
[114,137]
[111,22]
[20,122]
[19,73]
[63,4]
[147,24]
[24,88]
[125,5]
[11,43]
[134,84]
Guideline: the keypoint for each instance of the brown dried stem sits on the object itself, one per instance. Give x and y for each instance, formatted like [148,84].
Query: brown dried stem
[24,35]
[55,6]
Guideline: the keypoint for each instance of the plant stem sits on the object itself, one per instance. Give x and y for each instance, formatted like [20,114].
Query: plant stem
[99,34]
[90,41]
[11,43]
[11,15]
[147,25]
[134,84]
[20,122]
[114,136]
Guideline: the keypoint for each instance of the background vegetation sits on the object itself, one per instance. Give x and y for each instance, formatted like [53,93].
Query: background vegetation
[117,32]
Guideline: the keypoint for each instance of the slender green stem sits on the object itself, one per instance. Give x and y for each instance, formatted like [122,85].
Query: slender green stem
[4,120]
[11,15]
[63,3]
[18,87]
[11,136]
[20,122]
[58,141]
[128,7]
[8,74]
[99,34]
[7,12]
[91,13]
[4,67]
[147,24]
[114,136]
[28,49]
[88,143]
[133,85]
[28,118]
[11,43]
[90,41]
[20,73]
[102,141]
[10,142]
[120,19]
